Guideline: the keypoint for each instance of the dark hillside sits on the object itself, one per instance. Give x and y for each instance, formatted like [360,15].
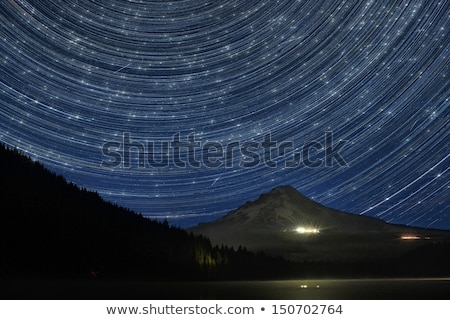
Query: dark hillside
[51,228]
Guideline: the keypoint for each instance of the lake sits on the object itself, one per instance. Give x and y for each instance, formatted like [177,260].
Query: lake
[357,289]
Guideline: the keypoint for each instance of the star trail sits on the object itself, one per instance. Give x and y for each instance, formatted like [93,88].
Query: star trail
[76,74]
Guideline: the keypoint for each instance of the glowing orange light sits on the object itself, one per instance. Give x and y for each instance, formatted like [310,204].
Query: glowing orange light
[410,238]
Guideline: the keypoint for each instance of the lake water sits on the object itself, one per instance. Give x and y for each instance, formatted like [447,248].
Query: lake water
[361,289]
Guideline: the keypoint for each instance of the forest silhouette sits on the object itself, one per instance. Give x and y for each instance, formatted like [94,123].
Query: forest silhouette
[52,228]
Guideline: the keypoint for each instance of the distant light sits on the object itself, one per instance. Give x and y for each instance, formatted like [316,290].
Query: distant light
[304,230]
[411,238]
[304,286]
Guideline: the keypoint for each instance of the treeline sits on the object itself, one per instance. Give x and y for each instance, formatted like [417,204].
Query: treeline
[50,227]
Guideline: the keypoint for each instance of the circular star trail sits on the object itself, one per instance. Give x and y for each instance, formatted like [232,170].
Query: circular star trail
[77,74]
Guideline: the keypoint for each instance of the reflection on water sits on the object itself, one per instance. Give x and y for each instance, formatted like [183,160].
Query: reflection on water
[255,290]
[332,289]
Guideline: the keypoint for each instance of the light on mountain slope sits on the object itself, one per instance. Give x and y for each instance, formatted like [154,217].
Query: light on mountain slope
[304,230]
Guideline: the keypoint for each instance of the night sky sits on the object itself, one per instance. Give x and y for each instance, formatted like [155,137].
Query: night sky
[77,74]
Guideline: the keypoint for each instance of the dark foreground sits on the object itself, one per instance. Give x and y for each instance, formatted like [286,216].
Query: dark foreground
[361,289]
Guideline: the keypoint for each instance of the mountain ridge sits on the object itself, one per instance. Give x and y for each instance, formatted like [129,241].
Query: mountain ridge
[285,222]
[291,206]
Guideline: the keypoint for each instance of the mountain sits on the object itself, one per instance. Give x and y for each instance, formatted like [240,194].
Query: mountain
[285,208]
[284,222]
